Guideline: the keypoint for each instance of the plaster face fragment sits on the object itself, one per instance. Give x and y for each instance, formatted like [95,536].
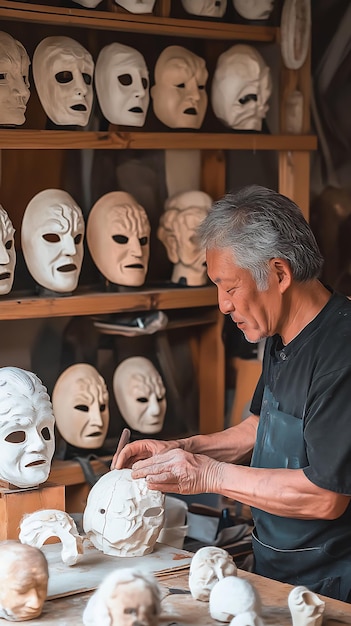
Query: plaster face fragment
[137,6]
[26,428]
[179,95]
[232,596]
[122,85]
[14,81]
[81,406]
[7,252]
[241,88]
[52,240]
[208,8]
[63,75]
[123,517]
[140,394]
[306,607]
[254,9]
[209,565]
[118,237]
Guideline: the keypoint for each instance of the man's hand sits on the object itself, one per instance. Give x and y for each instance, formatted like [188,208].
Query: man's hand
[142,449]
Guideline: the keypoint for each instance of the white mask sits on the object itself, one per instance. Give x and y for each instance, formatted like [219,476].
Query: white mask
[14,82]
[52,240]
[254,9]
[231,596]
[209,565]
[140,394]
[88,4]
[26,428]
[122,85]
[209,8]
[137,6]
[63,75]
[123,517]
[179,96]
[306,607]
[80,402]
[7,252]
[118,237]
[241,88]
[184,212]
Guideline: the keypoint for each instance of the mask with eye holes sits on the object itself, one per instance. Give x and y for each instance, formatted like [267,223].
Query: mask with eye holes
[26,428]
[123,517]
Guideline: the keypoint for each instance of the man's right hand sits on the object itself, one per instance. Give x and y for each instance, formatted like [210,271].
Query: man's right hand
[140,450]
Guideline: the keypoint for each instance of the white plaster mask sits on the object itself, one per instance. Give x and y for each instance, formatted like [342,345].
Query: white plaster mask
[26,428]
[241,88]
[179,95]
[80,402]
[88,4]
[232,596]
[14,82]
[63,75]
[7,252]
[52,236]
[123,517]
[39,526]
[24,581]
[306,607]
[254,9]
[209,565]
[122,85]
[118,237]
[137,6]
[140,394]
[208,8]
[184,212]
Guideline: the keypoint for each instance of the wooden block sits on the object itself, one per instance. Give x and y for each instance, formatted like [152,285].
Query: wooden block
[14,504]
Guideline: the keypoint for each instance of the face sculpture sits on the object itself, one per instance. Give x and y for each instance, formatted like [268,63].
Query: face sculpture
[122,85]
[123,517]
[184,212]
[137,6]
[63,75]
[254,9]
[23,581]
[140,394]
[306,607]
[126,597]
[14,82]
[232,596]
[80,402]
[118,237]
[208,8]
[26,428]
[179,96]
[241,88]
[52,240]
[209,565]
[7,252]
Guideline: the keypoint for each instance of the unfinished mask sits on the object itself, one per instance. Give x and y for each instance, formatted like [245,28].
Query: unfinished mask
[14,82]
[209,565]
[123,517]
[39,526]
[184,212]
[241,88]
[24,581]
[26,428]
[306,607]
[63,76]
[80,402]
[122,85]
[7,252]
[254,9]
[208,8]
[137,6]
[126,597]
[52,240]
[140,394]
[232,596]
[179,95]
[118,237]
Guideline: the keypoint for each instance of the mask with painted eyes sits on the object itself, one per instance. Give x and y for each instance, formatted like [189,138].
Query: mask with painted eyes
[241,88]
[14,82]
[7,252]
[137,6]
[63,76]
[122,85]
[208,8]
[26,428]
[254,9]
[52,236]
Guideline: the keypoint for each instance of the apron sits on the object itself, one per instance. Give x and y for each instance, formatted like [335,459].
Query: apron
[312,553]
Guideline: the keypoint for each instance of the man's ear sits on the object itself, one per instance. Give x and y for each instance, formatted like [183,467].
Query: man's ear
[282,270]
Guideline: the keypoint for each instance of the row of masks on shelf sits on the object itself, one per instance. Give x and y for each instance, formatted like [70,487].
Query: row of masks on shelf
[118,239]
[63,72]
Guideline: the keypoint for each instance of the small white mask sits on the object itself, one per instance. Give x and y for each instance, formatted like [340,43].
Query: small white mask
[118,237]
[123,517]
[231,596]
[306,607]
[137,6]
[140,394]
[63,76]
[241,88]
[26,428]
[179,95]
[122,85]
[254,9]
[14,82]
[7,252]
[80,402]
[209,8]
[209,565]
[52,236]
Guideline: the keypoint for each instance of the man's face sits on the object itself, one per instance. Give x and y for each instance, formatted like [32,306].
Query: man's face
[210,8]
[132,604]
[23,591]
[7,252]
[14,83]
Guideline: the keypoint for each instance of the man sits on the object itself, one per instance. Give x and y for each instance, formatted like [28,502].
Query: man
[263,257]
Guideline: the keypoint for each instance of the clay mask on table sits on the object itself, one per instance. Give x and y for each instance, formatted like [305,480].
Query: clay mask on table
[209,565]
[7,252]
[14,81]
